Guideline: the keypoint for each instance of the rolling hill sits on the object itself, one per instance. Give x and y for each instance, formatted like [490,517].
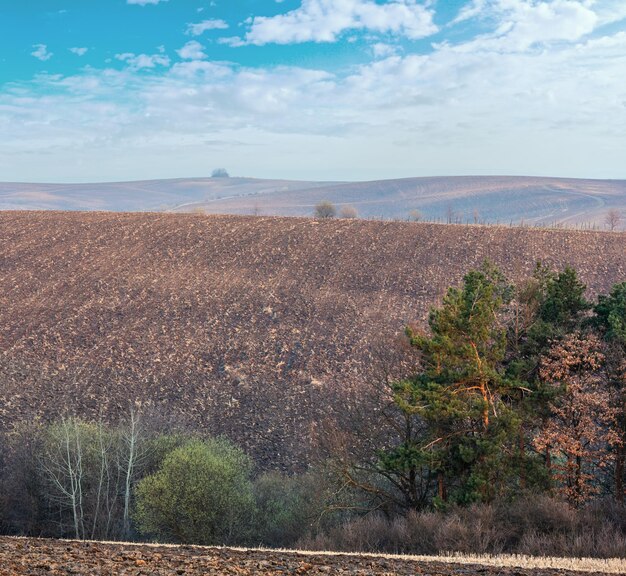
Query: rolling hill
[468,199]
[255,327]
[485,199]
[140,196]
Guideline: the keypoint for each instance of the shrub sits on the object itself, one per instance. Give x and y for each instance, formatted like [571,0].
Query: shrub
[538,526]
[325,209]
[202,494]
[281,509]
[348,212]
[290,508]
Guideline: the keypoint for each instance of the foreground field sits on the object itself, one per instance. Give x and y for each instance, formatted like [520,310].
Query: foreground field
[31,556]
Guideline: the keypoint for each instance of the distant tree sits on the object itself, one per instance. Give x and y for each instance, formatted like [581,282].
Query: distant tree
[348,212]
[325,209]
[201,494]
[415,216]
[450,214]
[613,219]
[220,173]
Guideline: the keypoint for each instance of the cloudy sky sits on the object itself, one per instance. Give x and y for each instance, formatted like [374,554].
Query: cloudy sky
[311,89]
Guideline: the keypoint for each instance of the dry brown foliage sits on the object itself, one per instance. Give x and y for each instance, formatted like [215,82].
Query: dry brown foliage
[583,422]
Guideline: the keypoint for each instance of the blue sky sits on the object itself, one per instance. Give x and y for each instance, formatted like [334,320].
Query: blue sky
[311,89]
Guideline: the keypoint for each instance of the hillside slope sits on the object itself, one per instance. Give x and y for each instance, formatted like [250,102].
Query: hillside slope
[489,199]
[484,199]
[252,327]
[138,196]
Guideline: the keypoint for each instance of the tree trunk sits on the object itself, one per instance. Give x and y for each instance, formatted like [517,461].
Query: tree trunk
[441,487]
[549,461]
[522,457]
[619,473]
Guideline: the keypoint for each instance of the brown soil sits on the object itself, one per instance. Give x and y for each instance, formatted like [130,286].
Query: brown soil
[256,328]
[56,557]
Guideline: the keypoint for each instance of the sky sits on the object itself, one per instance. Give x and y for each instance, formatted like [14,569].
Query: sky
[111,90]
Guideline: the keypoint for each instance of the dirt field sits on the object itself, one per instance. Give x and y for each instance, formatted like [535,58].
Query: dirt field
[256,328]
[56,557]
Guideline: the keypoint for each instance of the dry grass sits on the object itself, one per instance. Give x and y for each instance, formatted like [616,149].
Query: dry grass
[608,565]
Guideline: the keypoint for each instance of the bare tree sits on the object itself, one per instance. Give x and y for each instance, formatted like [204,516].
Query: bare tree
[220,173]
[613,219]
[132,457]
[90,472]
[103,448]
[62,464]
[450,214]
[415,216]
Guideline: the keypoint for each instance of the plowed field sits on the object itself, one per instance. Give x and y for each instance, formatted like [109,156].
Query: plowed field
[54,557]
[251,327]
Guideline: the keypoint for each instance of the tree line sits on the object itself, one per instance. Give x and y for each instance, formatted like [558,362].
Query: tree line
[517,388]
[515,393]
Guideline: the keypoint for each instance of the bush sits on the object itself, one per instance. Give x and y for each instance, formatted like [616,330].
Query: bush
[348,212]
[23,506]
[325,209]
[533,525]
[202,494]
[281,509]
[291,507]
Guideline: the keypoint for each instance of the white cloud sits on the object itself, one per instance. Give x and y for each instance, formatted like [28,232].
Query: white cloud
[79,51]
[325,20]
[382,50]
[494,104]
[41,52]
[140,61]
[200,27]
[520,24]
[610,11]
[192,51]
[471,10]
[144,2]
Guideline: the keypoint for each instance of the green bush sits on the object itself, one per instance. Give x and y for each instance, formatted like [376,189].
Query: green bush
[201,494]
[290,508]
[285,512]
